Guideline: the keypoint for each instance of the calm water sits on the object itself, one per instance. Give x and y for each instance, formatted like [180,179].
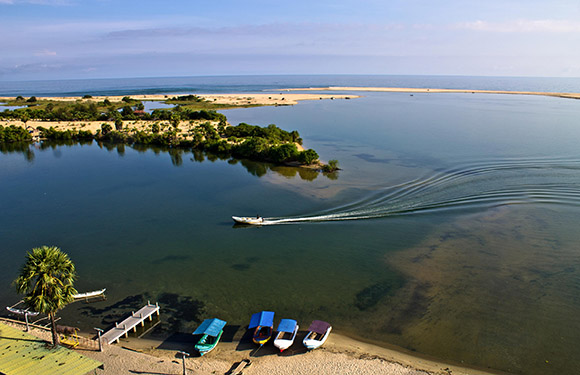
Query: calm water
[450,231]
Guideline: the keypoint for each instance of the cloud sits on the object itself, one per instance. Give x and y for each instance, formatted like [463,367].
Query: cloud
[37,2]
[522,26]
[45,52]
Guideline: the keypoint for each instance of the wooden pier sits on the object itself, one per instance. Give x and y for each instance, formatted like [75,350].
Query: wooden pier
[131,323]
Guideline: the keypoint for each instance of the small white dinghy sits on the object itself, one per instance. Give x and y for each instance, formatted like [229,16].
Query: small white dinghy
[248,220]
[287,330]
[317,335]
[21,311]
[87,295]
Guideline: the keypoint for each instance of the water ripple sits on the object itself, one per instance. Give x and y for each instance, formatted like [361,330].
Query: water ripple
[479,185]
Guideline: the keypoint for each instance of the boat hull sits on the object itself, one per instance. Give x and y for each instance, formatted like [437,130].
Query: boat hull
[207,343]
[248,220]
[282,343]
[311,341]
[262,334]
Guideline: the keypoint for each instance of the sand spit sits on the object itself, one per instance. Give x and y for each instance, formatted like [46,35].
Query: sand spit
[225,99]
[569,95]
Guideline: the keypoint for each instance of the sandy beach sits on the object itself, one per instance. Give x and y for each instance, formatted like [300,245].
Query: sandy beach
[280,98]
[340,355]
[569,95]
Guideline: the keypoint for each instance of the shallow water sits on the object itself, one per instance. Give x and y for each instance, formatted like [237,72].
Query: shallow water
[451,229]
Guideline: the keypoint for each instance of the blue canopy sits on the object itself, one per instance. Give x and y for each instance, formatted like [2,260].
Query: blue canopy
[287,325]
[210,327]
[264,318]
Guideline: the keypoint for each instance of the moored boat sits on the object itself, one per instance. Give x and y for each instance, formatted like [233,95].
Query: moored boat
[87,295]
[287,330]
[317,334]
[248,220]
[211,331]
[21,311]
[263,322]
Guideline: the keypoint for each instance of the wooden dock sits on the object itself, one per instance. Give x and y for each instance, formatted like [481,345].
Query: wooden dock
[131,323]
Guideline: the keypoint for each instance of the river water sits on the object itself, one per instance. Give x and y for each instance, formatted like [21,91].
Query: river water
[451,229]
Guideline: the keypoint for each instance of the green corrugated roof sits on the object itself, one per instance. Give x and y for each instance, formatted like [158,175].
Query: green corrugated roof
[22,353]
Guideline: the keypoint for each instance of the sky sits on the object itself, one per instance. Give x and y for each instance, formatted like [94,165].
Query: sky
[70,39]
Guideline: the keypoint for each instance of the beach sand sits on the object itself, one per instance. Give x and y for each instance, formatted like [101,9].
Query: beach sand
[339,355]
[569,95]
[279,98]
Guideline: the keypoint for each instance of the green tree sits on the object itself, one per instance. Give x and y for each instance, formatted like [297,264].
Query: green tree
[118,124]
[106,128]
[308,156]
[46,280]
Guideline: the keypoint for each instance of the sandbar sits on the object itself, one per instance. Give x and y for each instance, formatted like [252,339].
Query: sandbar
[569,95]
[280,98]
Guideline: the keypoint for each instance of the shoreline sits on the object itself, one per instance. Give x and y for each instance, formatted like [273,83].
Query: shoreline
[234,100]
[567,95]
[340,354]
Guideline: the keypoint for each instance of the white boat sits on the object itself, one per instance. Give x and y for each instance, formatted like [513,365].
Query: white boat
[287,330]
[87,295]
[317,334]
[21,311]
[248,220]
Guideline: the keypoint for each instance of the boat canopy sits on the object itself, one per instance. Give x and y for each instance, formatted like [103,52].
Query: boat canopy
[264,318]
[319,326]
[211,327]
[287,325]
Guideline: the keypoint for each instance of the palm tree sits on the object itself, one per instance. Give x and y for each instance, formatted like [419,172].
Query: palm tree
[47,279]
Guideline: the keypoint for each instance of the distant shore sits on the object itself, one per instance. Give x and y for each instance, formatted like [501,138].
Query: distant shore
[568,95]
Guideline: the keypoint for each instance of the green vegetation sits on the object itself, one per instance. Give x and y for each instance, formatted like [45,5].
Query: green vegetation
[332,166]
[206,130]
[13,133]
[46,280]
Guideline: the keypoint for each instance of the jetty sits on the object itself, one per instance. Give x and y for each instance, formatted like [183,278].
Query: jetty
[131,323]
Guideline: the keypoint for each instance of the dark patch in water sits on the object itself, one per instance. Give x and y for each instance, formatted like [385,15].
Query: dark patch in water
[372,159]
[117,311]
[172,258]
[240,267]
[177,310]
[413,310]
[370,296]
[427,255]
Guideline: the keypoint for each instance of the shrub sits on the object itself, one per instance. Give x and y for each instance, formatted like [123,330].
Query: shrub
[307,157]
[105,129]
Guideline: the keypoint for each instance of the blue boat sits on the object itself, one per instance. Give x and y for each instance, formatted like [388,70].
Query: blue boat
[287,330]
[212,330]
[263,322]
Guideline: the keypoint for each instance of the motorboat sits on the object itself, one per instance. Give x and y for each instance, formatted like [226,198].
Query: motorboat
[263,325]
[287,330]
[248,220]
[87,295]
[211,331]
[317,334]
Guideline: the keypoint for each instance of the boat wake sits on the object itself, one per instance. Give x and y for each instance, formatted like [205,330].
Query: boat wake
[475,186]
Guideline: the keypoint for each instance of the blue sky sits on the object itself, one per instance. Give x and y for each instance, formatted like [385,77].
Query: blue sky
[56,39]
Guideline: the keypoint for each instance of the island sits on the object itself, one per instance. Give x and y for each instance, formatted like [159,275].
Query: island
[188,122]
